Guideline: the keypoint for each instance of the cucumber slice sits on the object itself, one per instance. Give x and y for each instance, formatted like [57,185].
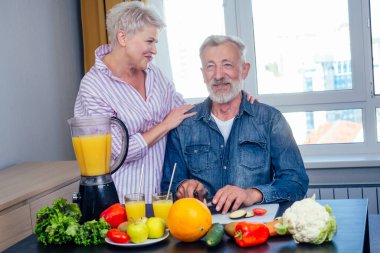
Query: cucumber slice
[249,214]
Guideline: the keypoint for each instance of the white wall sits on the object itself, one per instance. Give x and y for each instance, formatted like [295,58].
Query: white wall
[40,70]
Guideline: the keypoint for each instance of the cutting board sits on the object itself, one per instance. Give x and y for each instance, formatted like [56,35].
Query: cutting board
[269,216]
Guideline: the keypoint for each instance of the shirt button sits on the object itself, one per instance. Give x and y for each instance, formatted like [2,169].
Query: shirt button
[224,167]
[222,146]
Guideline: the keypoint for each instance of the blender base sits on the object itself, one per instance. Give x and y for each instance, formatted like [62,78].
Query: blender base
[95,195]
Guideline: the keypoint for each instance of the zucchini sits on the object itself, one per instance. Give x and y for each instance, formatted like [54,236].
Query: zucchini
[214,235]
[238,214]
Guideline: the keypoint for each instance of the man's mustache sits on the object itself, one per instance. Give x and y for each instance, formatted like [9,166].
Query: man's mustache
[221,81]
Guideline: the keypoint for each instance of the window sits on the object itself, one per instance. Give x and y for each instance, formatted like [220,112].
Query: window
[327,127]
[378,123]
[187,26]
[304,53]
[375,25]
[320,67]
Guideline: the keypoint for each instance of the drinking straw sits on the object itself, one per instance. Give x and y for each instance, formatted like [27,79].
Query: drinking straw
[141,179]
[171,181]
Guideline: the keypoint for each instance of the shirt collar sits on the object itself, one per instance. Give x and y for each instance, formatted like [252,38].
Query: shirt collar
[100,52]
[245,106]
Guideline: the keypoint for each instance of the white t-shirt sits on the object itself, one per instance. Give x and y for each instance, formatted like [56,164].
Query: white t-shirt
[224,126]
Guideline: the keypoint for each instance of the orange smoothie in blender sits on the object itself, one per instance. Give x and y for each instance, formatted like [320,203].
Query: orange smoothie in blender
[93,153]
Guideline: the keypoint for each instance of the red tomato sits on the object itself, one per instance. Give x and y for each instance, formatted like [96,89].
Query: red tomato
[117,236]
[259,211]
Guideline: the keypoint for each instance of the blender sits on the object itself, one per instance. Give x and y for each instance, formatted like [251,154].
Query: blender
[92,139]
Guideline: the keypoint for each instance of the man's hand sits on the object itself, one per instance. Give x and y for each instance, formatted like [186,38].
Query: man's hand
[233,197]
[190,187]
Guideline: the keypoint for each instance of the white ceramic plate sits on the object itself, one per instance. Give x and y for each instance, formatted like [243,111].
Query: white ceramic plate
[132,245]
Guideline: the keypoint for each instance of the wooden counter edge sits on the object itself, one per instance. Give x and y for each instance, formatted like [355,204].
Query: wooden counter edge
[19,180]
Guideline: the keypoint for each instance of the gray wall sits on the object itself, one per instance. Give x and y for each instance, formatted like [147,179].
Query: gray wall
[40,70]
[344,176]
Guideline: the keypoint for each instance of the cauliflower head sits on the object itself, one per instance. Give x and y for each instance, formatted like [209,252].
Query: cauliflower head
[308,221]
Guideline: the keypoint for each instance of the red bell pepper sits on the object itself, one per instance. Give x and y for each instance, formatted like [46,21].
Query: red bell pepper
[248,234]
[114,215]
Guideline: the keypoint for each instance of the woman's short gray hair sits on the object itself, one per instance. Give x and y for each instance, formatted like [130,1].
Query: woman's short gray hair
[130,17]
[216,40]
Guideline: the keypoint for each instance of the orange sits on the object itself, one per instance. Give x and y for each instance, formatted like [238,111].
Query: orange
[189,220]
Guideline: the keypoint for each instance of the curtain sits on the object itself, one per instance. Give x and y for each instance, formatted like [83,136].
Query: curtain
[93,14]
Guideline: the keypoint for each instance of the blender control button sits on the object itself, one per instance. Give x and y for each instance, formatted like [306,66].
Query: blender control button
[76,197]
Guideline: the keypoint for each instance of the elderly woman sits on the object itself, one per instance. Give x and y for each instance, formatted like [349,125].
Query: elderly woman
[124,83]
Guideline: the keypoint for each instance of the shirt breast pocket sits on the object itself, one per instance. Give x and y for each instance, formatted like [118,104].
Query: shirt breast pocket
[252,154]
[197,157]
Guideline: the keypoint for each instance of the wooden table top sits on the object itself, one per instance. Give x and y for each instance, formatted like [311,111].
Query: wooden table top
[374,232]
[352,237]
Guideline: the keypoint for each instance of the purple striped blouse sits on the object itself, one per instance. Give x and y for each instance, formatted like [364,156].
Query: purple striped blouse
[102,93]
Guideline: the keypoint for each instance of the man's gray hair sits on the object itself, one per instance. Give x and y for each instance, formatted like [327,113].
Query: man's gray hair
[216,40]
[130,17]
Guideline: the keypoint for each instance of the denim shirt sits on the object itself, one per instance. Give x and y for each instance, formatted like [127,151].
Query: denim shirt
[260,153]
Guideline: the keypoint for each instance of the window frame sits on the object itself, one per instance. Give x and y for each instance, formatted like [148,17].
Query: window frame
[360,97]
[238,12]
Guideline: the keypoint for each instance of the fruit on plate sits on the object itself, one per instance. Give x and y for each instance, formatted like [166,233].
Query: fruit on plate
[123,226]
[138,232]
[117,236]
[189,219]
[156,227]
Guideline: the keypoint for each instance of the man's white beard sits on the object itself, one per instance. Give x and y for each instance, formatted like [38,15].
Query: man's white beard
[223,97]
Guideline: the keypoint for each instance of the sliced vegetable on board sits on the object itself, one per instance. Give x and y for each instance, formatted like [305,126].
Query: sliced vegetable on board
[249,214]
[259,211]
[241,213]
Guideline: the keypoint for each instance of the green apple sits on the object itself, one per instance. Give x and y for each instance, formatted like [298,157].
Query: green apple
[156,227]
[138,232]
[142,219]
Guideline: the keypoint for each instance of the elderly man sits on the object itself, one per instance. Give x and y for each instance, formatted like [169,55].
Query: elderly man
[237,152]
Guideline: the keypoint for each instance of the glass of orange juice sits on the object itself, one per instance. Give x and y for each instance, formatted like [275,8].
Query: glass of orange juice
[161,205]
[135,206]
